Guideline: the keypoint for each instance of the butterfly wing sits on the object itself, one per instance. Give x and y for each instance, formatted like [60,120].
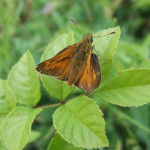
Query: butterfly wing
[95,69]
[58,66]
[91,76]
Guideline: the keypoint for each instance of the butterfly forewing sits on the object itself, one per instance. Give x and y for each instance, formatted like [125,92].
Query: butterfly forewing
[58,66]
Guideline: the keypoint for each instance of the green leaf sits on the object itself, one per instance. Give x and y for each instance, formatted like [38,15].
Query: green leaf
[2,119]
[141,115]
[58,143]
[17,127]
[34,136]
[129,88]
[130,119]
[145,42]
[56,88]
[130,54]
[7,98]
[106,46]
[24,81]
[3,146]
[132,48]
[80,123]
[72,28]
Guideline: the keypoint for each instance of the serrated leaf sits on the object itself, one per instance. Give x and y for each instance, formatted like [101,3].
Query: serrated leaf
[129,88]
[56,88]
[24,81]
[58,143]
[17,127]
[80,123]
[7,98]
[106,46]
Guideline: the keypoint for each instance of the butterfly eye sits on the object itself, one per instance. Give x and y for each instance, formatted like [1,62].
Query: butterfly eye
[91,39]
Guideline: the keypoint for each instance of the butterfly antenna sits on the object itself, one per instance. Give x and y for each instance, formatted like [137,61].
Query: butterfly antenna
[105,34]
[76,25]
[100,55]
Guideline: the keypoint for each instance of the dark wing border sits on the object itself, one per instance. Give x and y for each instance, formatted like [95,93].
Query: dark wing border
[96,66]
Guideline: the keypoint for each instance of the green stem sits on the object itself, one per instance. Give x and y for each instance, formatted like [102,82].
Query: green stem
[50,133]
[131,120]
[49,106]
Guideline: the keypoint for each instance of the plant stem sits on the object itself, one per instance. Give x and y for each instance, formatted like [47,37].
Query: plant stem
[131,120]
[49,106]
[50,133]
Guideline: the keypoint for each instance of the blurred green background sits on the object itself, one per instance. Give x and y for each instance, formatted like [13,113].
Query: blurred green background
[32,24]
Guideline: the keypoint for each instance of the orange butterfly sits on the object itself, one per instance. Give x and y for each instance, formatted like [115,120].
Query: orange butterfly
[75,64]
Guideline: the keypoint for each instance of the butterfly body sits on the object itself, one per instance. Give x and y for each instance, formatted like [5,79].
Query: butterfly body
[75,64]
[78,62]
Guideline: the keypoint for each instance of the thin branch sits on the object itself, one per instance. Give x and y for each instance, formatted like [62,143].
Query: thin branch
[49,106]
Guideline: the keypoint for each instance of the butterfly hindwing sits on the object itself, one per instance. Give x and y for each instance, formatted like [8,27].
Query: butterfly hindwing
[91,76]
[58,66]
[95,68]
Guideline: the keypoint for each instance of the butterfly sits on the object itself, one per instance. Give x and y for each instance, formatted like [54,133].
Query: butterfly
[76,65]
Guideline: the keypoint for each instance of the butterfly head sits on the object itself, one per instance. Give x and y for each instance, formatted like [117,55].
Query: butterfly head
[88,37]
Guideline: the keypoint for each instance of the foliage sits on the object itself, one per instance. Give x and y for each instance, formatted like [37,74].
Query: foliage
[23,78]
[62,144]
[127,88]
[85,127]
[18,125]
[81,121]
